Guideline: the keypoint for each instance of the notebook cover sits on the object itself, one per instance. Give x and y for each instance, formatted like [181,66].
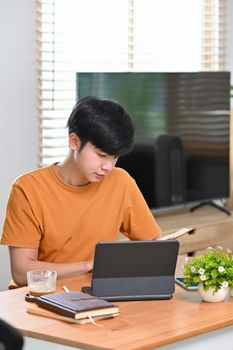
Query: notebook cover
[76,304]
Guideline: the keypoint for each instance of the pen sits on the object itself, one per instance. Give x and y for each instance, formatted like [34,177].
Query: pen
[66,289]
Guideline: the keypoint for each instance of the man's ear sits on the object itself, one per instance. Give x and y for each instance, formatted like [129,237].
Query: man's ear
[74,141]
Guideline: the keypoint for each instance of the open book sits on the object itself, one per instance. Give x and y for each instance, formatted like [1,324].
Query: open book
[176,234]
[76,305]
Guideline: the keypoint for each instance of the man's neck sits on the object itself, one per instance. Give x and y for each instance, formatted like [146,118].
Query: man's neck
[67,171]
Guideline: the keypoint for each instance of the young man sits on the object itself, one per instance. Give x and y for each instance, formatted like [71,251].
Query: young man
[55,215]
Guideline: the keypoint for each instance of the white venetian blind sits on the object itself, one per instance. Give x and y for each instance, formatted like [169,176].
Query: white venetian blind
[109,35]
[215,21]
[74,35]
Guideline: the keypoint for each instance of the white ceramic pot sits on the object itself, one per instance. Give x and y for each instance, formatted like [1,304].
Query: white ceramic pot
[211,296]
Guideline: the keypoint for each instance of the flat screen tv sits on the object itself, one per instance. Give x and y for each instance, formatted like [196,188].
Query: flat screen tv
[182,124]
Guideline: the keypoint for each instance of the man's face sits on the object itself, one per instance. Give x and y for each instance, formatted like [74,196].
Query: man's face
[93,164]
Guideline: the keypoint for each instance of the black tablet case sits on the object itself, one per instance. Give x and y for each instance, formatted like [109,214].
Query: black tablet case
[134,270]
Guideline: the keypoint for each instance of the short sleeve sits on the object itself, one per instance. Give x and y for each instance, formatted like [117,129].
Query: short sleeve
[20,228]
[138,222]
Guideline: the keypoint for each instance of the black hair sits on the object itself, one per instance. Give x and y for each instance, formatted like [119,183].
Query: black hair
[104,123]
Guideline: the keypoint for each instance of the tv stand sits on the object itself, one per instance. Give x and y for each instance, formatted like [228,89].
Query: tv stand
[211,228]
[219,207]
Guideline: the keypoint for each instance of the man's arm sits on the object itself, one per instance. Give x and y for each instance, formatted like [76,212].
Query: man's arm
[25,259]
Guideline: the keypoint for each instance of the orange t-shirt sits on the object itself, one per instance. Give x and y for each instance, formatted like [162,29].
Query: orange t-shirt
[65,221]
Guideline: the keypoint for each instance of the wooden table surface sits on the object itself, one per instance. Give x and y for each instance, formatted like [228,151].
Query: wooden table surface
[140,325]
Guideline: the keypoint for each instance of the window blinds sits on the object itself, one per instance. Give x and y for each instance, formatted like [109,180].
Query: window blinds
[108,35]
[214,34]
[74,35]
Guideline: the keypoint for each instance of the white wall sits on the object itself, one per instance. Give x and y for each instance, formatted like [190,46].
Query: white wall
[18,91]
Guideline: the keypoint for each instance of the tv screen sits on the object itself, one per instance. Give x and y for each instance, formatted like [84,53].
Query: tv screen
[182,124]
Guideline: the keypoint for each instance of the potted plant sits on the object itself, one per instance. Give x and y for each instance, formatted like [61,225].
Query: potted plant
[213,271]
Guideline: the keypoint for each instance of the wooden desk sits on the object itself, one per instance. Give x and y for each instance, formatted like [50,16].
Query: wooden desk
[141,325]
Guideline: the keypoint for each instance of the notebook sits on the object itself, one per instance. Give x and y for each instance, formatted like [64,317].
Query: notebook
[134,270]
